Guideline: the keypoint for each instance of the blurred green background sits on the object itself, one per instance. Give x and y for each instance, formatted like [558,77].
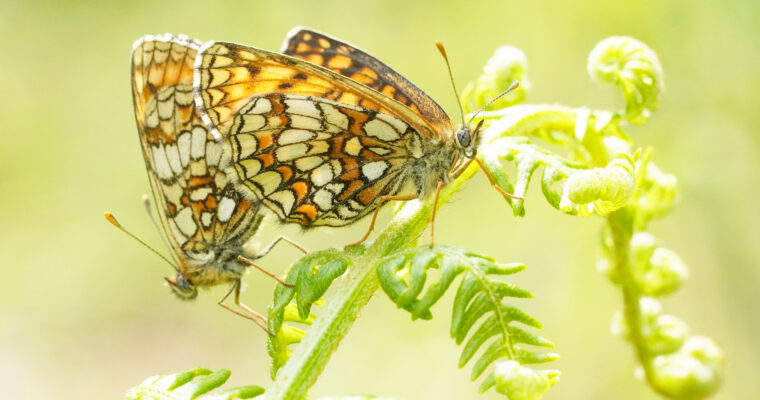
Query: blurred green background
[84,313]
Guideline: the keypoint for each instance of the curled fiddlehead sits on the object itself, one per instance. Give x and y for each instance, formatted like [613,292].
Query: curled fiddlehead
[601,172]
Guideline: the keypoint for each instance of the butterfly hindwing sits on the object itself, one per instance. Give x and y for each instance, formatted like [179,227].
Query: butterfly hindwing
[351,62]
[314,161]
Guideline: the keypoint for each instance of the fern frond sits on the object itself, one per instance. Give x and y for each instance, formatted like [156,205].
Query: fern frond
[310,276]
[360,397]
[191,384]
[278,345]
[479,299]
[527,159]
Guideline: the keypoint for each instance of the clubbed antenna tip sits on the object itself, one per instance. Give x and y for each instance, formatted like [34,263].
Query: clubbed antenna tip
[442,50]
[110,218]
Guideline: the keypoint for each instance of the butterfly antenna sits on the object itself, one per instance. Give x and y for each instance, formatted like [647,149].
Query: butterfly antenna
[149,210]
[116,223]
[442,50]
[511,87]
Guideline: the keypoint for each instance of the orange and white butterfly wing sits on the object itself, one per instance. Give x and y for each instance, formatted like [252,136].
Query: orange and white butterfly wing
[198,206]
[275,113]
[228,75]
[315,161]
[356,64]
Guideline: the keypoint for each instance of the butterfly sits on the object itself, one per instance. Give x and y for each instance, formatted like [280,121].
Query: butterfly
[205,218]
[323,134]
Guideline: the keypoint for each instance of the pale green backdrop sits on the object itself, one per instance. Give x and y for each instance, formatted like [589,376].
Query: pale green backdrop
[84,314]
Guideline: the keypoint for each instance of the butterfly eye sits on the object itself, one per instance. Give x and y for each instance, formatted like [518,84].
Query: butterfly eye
[181,287]
[463,137]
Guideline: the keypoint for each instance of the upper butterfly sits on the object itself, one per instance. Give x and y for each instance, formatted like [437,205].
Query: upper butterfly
[325,133]
[205,219]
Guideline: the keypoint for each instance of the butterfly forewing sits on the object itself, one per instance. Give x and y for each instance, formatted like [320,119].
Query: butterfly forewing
[351,62]
[228,75]
[200,209]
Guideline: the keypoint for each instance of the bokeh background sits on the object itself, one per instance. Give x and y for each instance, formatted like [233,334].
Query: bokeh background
[84,314]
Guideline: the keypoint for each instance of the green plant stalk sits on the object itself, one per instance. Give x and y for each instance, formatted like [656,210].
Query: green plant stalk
[620,223]
[600,156]
[353,292]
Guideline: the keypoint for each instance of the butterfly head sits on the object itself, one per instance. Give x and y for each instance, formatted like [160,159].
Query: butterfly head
[467,139]
[211,264]
[182,287]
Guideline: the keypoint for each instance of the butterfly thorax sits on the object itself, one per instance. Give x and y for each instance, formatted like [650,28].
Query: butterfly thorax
[217,264]
[433,166]
[442,159]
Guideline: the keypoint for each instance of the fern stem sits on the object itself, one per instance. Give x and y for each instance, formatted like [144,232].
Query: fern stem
[353,292]
[621,226]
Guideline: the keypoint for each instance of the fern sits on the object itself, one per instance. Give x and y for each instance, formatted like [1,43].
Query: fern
[311,276]
[361,397]
[602,173]
[587,165]
[191,384]
[580,131]
[480,296]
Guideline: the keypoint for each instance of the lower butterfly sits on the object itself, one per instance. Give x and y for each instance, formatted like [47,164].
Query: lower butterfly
[324,133]
[205,219]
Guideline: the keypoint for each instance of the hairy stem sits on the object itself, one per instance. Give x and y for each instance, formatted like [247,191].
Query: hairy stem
[620,223]
[352,294]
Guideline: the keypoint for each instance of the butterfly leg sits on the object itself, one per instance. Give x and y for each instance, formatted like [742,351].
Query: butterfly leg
[461,169]
[432,216]
[265,252]
[382,200]
[252,315]
[262,269]
[269,248]
[497,187]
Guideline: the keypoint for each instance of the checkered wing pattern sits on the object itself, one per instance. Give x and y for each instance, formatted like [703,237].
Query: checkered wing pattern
[351,62]
[314,161]
[201,211]
[316,147]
